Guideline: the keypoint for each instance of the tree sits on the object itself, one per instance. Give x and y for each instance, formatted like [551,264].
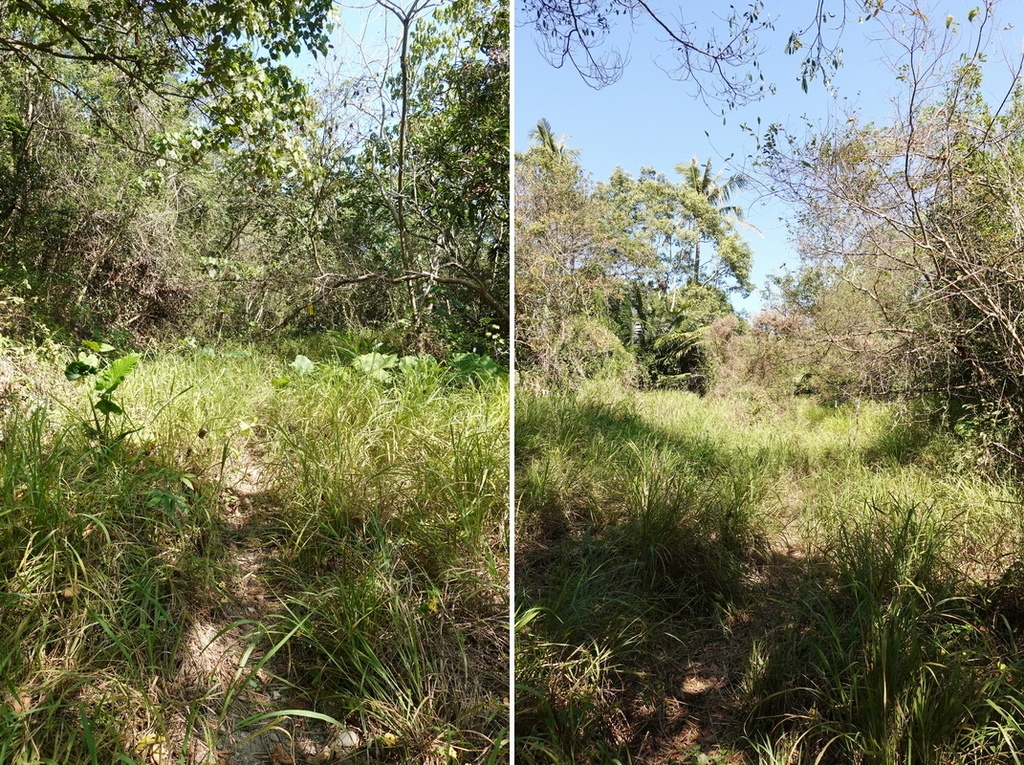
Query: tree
[713,55]
[460,119]
[668,330]
[225,60]
[83,213]
[717,195]
[665,320]
[544,137]
[920,224]
[675,219]
[125,207]
[571,258]
[433,159]
[609,272]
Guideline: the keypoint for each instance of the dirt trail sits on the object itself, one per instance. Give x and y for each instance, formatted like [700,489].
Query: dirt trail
[703,707]
[221,661]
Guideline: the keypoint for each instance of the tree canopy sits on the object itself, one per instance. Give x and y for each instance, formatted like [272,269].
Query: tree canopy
[610,277]
[910,238]
[187,179]
[676,219]
[226,60]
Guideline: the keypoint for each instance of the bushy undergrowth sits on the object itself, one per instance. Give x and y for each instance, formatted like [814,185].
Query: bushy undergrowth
[858,573]
[344,534]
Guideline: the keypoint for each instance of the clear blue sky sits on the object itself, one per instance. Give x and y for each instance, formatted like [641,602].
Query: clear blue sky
[649,119]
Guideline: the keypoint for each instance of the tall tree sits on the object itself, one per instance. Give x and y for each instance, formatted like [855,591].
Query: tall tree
[412,190]
[544,138]
[675,219]
[919,223]
[571,255]
[716,193]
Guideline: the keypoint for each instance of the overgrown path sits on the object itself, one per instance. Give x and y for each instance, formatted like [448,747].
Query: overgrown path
[255,561]
[745,578]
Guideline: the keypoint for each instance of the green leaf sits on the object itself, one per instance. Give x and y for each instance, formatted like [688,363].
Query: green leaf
[281,382]
[469,365]
[375,365]
[302,365]
[424,363]
[106,406]
[78,369]
[90,740]
[111,377]
[98,347]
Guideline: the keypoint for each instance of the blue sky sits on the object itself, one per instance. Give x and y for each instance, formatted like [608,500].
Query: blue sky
[649,119]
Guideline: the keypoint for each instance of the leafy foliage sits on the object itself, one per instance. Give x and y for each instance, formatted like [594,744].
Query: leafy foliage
[109,375]
[910,236]
[675,220]
[176,174]
[612,279]
[570,253]
[223,59]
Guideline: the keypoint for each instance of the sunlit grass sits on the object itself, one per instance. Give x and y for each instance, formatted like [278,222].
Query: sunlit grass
[268,547]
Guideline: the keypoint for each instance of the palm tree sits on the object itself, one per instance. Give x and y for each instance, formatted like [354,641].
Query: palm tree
[544,137]
[716,192]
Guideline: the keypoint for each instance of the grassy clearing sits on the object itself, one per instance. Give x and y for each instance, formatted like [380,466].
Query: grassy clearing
[733,580]
[246,569]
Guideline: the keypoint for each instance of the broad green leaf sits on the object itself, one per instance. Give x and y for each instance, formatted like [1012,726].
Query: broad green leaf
[474,365]
[375,365]
[418,364]
[78,369]
[98,347]
[106,406]
[110,378]
[302,365]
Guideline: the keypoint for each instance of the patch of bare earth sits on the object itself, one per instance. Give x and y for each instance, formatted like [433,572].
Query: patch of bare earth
[704,710]
[222,679]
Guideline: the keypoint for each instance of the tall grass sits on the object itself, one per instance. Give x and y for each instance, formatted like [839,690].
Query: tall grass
[628,536]
[268,549]
[397,528]
[857,573]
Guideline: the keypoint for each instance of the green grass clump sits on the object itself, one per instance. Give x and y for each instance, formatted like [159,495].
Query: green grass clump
[256,544]
[395,558]
[628,536]
[884,659]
